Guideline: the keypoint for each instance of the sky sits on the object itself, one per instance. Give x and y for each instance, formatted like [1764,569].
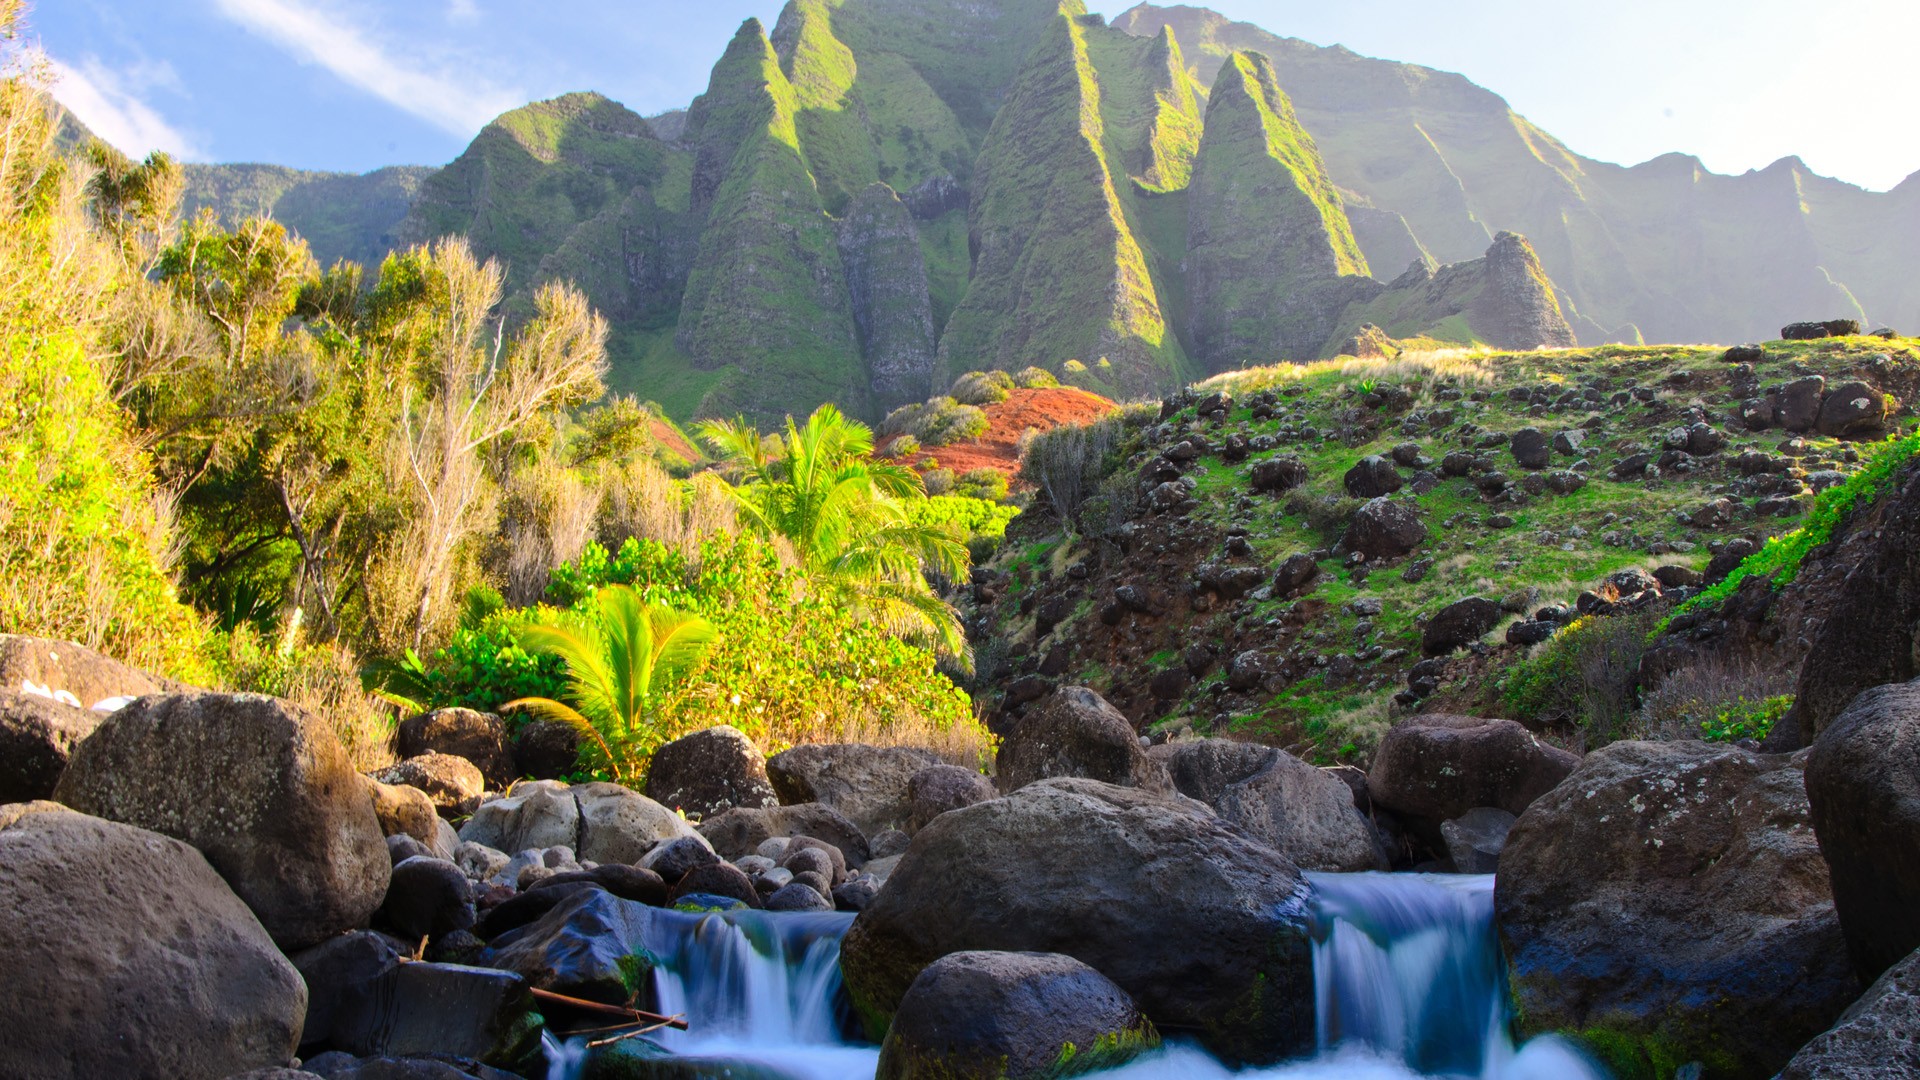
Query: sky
[356,84]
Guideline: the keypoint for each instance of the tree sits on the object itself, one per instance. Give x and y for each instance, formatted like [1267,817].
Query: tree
[817,488]
[617,669]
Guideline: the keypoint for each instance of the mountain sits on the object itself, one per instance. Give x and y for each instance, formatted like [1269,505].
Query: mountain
[878,195]
[1665,250]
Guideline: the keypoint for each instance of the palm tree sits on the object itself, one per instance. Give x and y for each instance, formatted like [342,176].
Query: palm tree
[818,488]
[617,668]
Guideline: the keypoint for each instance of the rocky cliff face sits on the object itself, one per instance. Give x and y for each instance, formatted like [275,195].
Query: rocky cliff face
[887,283]
[1516,308]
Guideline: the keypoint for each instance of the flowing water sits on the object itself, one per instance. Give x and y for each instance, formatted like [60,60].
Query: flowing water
[1408,982]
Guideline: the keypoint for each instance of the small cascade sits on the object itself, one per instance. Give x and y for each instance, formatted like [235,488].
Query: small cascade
[1408,984]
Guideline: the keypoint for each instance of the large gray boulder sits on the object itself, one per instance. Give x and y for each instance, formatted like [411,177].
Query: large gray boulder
[63,666]
[534,814]
[453,783]
[37,737]
[1669,902]
[1011,1016]
[1157,894]
[1863,781]
[709,772]
[1437,766]
[937,789]
[1074,732]
[619,825]
[1305,813]
[479,737]
[261,787]
[1877,1038]
[127,955]
[741,831]
[866,783]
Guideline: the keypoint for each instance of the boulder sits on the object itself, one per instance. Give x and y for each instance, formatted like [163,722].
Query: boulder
[479,737]
[453,783]
[1875,1039]
[63,667]
[1669,903]
[742,831]
[1305,813]
[127,955]
[709,772]
[1074,732]
[1436,766]
[339,1065]
[1800,402]
[1852,410]
[1810,331]
[1863,780]
[335,969]
[427,897]
[937,789]
[37,736]
[534,814]
[403,810]
[440,1009]
[1159,895]
[1475,839]
[1385,529]
[671,859]
[717,879]
[796,896]
[1278,474]
[1459,625]
[546,749]
[868,784]
[619,825]
[1296,572]
[1531,448]
[1011,1016]
[1372,477]
[260,786]
[591,944]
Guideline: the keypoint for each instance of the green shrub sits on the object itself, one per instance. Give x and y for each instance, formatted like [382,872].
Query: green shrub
[1328,515]
[936,422]
[1745,719]
[1035,378]
[1069,462]
[988,484]
[1583,675]
[903,447]
[982,387]
[975,517]
[937,481]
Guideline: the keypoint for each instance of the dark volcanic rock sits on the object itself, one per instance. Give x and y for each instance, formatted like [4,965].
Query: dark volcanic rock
[1863,781]
[453,783]
[1436,766]
[1076,733]
[1011,1016]
[741,831]
[1810,331]
[1460,624]
[1296,572]
[1159,896]
[866,783]
[1371,478]
[546,749]
[1278,474]
[263,789]
[126,955]
[1875,1039]
[584,946]
[1385,529]
[37,736]
[1303,812]
[1670,903]
[479,737]
[1531,449]
[709,772]
[938,789]
[1852,410]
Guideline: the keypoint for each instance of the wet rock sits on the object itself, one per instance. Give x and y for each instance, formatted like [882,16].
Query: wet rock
[1020,873]
[1371,478]
[1669,901]
[868,784]
[584,946]
[432,1008]
[37,736]
[1385,529]
[1437,766]
[715,879]
[339,1065]
[479,737]
[708,772]
[260,787]
[1011,1016]
[1076,733]
[1305,813]
[127,955]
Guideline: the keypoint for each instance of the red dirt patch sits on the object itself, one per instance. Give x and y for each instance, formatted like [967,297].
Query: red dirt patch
[664,434]
[999,449]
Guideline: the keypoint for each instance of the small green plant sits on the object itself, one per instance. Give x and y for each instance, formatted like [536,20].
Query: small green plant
[988,484]
[1745,719]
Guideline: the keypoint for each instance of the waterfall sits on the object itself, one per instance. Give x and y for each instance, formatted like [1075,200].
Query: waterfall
[1408,983]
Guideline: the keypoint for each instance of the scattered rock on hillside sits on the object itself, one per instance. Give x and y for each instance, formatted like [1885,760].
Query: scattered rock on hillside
[1372,477]
[1863,780]
[1385,529]
[1875,1039]
[1800,403]
[1852,410]
[1304,813]
[1669,900]
[262,788]
[1278,474]
[1016,1016]
[866,783]
[1296,572]
[1810,331]
[1074,732]
[708,772]
[1436,766]
[479,737]
[1460,624]
[1531,449]
[37,736]
[127,955]
[1179,894]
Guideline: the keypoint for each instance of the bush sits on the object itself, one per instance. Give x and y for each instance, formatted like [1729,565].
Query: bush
[988,484]
[1584,675]
[1035,378]
[1069,461]
[1717,700]
[903,448]
[1327,515]
[937,422]
[973,517]
[982,387]
[322,679]
[937,481]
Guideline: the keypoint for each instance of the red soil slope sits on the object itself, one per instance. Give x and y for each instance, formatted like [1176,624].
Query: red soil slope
[999,449]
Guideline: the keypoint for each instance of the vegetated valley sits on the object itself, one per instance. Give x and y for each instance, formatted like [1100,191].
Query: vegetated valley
[945,559]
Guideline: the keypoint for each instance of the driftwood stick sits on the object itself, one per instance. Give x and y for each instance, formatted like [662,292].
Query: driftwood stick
[617,1038]
[638,1015]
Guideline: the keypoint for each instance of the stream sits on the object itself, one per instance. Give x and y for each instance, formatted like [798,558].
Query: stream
[1408,984]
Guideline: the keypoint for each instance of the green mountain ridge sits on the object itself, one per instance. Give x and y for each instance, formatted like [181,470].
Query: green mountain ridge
[881,194]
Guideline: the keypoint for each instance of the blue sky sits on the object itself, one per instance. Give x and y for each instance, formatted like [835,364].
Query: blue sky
[355,84]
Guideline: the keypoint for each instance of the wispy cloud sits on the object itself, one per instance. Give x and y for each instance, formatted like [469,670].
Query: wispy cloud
[463,10]
[460,104]
[111,104]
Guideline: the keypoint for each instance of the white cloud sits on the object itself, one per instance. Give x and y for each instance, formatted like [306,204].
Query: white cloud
[459,104]
[110,103]
[463,10]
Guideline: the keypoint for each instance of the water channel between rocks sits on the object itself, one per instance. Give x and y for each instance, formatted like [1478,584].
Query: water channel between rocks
[1408,983]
